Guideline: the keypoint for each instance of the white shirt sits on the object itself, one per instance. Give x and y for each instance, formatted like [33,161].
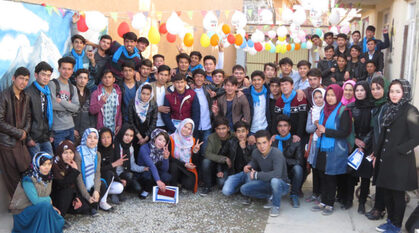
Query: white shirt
[259,115]
[160,94]
[205,119]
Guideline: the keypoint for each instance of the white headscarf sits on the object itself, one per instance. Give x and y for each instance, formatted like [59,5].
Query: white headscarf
[183,144]
[141,107]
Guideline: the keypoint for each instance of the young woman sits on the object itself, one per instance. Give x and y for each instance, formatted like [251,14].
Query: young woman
[31,204]
[395,151]
[65,170]
[183,146]
[143,113]
[91,187]
[379,91]
[361,113]
[155,155]
[333,129]
[348,92]
[127,170]
[311,127]
[107,168]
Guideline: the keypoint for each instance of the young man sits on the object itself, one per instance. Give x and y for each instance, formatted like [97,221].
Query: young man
[231,106]
[145,71]
[183,60]
[196,57]
[328,65]
[258,98]
[341,73]
[286,69]
[369,34]
[210,63]
[328,38]
[121,54]
[65,102]
[40,136]
[289,105]
[15,115]
[293,155]
[159,90]
[371,72]
[240,73]
[105,103]
[356,37]
[128,86]
[315,81]
[142,44]
[269,69]
[342,47]
[212,154]
[84,60]
[275,88]
[374,55]
[303,68]
[267,173]
[218,78]
[183,103]
[83,119]
[317,52]
[240,153]
[101,56]
[158,60]
[355,67]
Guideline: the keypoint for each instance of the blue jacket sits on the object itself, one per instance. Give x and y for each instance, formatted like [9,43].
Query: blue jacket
[144,159]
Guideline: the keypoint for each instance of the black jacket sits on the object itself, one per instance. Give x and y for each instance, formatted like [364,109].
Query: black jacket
[40,131]
[10,130]
[377,58]
[83,119]
[357,70]
[395,151]
[144,128]
[230,149]
[325,66]
[291,151]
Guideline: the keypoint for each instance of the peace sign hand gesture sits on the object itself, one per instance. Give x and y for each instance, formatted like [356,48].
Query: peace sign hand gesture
[166,152]
[197,146]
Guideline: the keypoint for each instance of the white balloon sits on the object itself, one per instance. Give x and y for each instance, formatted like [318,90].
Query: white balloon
[315,13]
[258,36]
[267,16]
[139,21]
[334,16]
[225,43]
[299,16]
[271,34]
[309,44]
[287,15]
[239,20]
[334,29]
[174,24]
[241,31]
[297,40]
[282,31]
[210,21]
[294,29]
[316,22]
[252,51]
[95,20]
[345,29]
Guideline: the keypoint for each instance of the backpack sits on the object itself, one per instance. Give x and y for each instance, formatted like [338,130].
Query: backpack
[58,88]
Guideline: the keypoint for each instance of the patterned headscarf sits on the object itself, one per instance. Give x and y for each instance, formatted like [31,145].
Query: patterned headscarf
[183,144]
[37,160]
[141,107]
[156,153]
[394,108]
[88,153]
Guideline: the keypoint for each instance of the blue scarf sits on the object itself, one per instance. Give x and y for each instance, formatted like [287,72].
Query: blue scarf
[255,94]
[287,101]
[47,93]
[79,59]
[121,50]
[327,144]
[282,139]
[86,153]
[193,68]
[364,45]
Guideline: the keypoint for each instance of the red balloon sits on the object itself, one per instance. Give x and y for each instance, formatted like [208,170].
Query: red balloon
[258,46]
[162,28]
[171,38]
[231,39]
[81,24]
[123,28]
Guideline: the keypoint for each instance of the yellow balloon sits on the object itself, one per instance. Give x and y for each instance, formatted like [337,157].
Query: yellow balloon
[268,46]
[282,38]
[188,39]
[153,35]
[277,48]
[283,49]
[205,40]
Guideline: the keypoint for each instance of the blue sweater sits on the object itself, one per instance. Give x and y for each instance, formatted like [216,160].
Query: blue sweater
[31,192]
[145,160]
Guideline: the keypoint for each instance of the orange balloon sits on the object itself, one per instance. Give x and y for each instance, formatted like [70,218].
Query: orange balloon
[288,47]
[214,40]
[188,39]
[226,29]
[239,40]
[297,46]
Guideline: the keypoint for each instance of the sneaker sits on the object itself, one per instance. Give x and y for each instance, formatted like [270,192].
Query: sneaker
[384,227]
[328,210]
[143,195]
[393,229]
[115,199]
[295,201]
[268,204]
[311,198]
[318,208]
[274,211]
[204,192]
[246,201]
[93,212]
[105,206]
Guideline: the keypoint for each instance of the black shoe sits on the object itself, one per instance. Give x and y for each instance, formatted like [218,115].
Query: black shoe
[204,192]
[66,225]
[347,206]
[93,212]
[122,198]
[115,199]
[361,208]
[375,214]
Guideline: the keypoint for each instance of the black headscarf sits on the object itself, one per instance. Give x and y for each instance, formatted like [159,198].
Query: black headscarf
[59,167]
[120,144]
[105,152]
[393,109]
[363,122]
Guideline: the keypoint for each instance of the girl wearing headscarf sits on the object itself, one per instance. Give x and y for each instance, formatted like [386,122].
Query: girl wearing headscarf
[182,148]
[333,129]
[91,187]
[311,126]
[379,91]
[348,92]
[31,205]
[395,151]
[107,169]
[361,113]
[127,170]
[65,195]
[143,113]
[155,155]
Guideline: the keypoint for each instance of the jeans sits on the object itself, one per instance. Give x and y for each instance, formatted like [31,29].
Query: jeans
[61,135]
[296,175]
[233,183]
[396,205]
[208,172]
[202,135]
[264,189]
[42,146]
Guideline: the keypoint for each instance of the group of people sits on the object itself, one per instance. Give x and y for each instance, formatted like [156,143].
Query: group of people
[116,122]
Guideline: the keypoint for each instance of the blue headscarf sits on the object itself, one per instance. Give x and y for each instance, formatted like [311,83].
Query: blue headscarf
[37,160]
[88,155]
